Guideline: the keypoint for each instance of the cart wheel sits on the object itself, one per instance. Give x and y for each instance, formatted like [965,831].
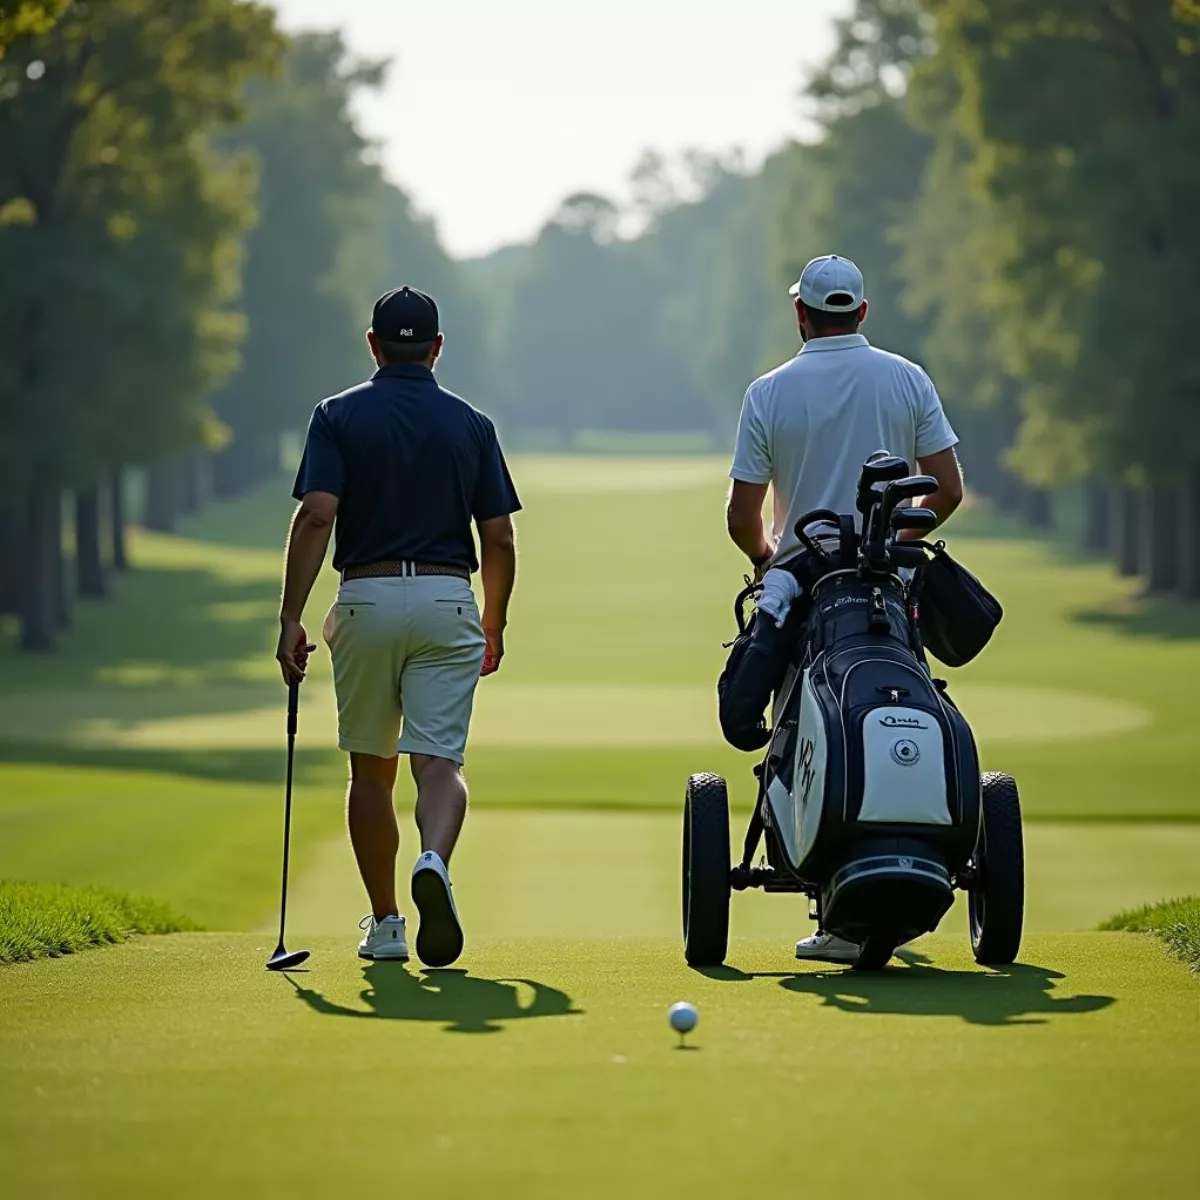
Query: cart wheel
[706,866]
[996,901]
[876,953]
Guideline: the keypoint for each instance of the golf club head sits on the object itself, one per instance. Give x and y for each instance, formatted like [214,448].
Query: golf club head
[880,468]
[903,489]
[924,519]
[281,960]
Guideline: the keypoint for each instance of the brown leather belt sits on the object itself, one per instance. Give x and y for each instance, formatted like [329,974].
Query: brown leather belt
[403,570]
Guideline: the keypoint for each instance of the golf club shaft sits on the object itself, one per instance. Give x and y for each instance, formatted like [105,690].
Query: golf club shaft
[293,708]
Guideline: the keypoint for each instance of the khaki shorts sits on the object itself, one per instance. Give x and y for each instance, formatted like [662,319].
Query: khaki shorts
[406,659]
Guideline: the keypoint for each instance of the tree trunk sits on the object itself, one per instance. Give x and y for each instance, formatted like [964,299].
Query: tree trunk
[1097,517]
[39,609]
[194,484]
[1160,537]
[162,496]
[58,555]
[89,568]
[1126,531]
[251,460]
[1189,537]
[233,469]
[1036,508]
[116,521]
[12,562]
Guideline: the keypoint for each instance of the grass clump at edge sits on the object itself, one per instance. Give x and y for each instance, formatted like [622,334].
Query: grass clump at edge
[1176,922]
[45,920]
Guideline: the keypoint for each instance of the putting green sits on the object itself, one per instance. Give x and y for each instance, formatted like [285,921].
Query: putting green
[629,715]
[178,1066]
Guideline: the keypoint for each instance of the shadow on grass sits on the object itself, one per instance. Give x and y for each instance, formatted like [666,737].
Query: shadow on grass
[1021,994]
[1147,616]
[171,623]
[463,1003]
[314,768]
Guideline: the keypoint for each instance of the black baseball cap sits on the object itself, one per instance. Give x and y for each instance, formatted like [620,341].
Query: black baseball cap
[406,316]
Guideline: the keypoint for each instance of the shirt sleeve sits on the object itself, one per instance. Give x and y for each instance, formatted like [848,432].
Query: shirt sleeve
[934,431]
[321,467]
[752,454]
[495,495]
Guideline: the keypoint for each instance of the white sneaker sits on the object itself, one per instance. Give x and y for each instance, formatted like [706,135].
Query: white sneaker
[827,947]
[384,939]
[439,935]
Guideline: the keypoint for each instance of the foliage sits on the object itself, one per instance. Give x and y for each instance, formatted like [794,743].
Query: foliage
[1176,922]
[1081,121]
[119,229]
[20,17]
[39,920]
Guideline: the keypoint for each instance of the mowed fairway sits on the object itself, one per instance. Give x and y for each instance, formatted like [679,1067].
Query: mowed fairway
[148,756]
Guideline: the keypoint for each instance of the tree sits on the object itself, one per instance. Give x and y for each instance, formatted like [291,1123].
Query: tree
[304,307]
[118,243]
[1084,118]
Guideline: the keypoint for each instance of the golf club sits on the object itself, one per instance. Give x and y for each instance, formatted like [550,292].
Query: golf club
[893,495]
[281,960]
[880,468]
[923,519]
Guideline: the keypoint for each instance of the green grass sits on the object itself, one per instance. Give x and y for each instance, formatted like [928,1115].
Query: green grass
[147,758]
[1176,922]
[545,1068]
[606,699]
[40,920]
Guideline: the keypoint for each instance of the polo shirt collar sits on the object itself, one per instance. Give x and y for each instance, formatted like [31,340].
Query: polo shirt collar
[837,341]
[403,371]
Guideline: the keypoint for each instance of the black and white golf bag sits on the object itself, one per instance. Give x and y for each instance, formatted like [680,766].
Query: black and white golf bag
[870,790]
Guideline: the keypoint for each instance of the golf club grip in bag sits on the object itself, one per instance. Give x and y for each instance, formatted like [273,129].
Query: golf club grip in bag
[956,614]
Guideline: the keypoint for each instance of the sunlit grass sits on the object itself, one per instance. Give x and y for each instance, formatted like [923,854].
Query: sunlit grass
[39,920]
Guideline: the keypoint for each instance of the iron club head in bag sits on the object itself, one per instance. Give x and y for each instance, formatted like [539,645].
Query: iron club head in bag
[282,960]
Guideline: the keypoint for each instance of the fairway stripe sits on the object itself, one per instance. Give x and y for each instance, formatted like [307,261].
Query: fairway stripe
[506,714]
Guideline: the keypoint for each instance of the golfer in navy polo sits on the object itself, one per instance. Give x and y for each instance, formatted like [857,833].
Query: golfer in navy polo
[398,469]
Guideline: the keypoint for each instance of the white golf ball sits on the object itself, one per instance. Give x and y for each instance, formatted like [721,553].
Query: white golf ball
[684,1017]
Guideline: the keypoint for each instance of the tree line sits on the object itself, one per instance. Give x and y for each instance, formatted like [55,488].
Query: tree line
[191,228]
[1019,182]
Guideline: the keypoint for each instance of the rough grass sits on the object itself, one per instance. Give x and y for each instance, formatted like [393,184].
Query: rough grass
[41,920]
[1176,922]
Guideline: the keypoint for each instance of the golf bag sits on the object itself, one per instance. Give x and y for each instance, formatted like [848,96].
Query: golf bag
[871,785]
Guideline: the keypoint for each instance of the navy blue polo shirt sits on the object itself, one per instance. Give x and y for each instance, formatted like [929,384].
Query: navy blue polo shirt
[412,465]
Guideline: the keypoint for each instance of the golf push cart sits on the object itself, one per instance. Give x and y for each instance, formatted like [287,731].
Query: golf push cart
[870,799]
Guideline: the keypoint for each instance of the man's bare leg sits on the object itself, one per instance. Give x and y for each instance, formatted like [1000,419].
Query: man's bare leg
[441,803]
[371,818]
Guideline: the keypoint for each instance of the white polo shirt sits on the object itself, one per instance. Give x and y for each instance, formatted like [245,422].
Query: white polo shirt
[809,425]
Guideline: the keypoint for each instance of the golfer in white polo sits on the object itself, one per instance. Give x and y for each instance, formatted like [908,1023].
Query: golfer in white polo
[807,427]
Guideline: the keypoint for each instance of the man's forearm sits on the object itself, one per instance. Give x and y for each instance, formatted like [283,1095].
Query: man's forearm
[751,540]
[307,543]
[498,572]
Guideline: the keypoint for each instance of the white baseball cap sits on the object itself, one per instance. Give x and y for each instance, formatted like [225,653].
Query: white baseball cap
[825,283]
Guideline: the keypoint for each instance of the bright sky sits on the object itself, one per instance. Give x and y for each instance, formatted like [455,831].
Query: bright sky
[498,109]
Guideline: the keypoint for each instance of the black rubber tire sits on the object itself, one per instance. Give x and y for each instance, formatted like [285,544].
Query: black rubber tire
[996,900]
[876,953]
[706,866]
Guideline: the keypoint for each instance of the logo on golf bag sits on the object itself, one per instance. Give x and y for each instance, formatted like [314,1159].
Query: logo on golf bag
[804,760]
[891,722]
[906,752]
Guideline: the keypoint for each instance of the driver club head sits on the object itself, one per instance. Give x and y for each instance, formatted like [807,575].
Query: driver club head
[281,960]
[913,518]
[878,469]
[904,489]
